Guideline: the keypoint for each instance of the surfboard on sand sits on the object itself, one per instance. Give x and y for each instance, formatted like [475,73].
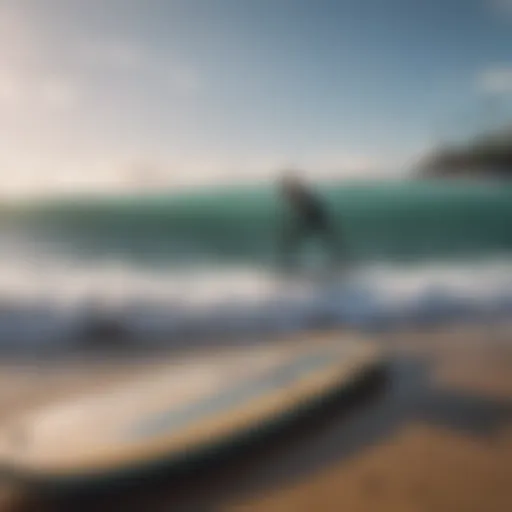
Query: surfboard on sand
[202,403]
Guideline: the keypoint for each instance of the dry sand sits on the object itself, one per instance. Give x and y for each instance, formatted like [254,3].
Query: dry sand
[435,436]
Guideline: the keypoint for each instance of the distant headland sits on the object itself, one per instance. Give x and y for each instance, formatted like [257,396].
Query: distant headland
[485,156]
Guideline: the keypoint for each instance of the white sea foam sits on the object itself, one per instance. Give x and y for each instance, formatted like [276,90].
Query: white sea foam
[48,302]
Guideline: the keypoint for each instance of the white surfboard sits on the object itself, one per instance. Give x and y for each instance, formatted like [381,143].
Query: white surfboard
[187,407]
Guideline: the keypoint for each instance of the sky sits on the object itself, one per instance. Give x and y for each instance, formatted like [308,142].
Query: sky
[100,94]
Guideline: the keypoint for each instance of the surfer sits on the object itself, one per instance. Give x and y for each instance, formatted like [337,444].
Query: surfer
[311,218]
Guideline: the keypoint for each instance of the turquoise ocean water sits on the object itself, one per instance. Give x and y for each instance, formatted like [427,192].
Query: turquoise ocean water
[400,221]
[203,263]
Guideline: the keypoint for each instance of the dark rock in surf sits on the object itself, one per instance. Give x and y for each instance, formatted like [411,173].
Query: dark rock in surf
[103,328]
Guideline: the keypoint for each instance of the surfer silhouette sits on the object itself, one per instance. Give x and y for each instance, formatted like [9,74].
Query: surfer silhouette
[311,218]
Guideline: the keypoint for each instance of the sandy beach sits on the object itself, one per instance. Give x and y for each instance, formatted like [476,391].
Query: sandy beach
[435,434]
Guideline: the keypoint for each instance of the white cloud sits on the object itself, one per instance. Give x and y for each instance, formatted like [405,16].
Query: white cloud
[502,6]
[496,80]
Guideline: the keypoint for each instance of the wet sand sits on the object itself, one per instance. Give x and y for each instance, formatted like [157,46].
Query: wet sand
[434,434]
